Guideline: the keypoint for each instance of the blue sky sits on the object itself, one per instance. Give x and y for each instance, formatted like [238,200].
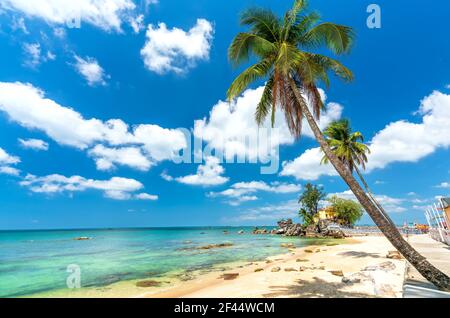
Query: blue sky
[91,115]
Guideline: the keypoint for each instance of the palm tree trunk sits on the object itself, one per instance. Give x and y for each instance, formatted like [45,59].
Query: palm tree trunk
[372,197]
[431,273]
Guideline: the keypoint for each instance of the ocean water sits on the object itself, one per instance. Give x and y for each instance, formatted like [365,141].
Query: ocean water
[36,261]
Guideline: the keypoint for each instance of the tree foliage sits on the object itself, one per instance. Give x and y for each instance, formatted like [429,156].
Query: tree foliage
[309,202]
[348,212]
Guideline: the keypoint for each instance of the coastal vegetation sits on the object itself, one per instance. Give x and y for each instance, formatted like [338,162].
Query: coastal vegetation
[283,49]
[309,203]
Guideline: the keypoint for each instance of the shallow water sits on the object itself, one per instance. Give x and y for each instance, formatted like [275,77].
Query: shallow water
[37,261]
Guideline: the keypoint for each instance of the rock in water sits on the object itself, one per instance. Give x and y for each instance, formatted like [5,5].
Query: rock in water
[148,283]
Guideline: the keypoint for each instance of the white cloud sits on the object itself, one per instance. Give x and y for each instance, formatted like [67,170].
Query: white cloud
[208,174]
[443,185]
[19,24]
[146,196]
[175,50]
[7,159]
[400,141]
[137,23]
[307,166]
[243,191]
[114,188]
[92,72]
[106,158]
[104,14]
[28,106]
[9,170]
[231,127]
[36,144]
[33,54]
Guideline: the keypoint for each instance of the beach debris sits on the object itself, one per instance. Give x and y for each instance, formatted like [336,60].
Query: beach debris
[275,269]
[309,251]
[301,260]
[258,270]
[229,276]
[82,238]
[337,273]
[148,283]
[394,255]
[290,269]
[301,268]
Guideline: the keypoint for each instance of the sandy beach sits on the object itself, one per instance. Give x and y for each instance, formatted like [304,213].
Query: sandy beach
[356,268]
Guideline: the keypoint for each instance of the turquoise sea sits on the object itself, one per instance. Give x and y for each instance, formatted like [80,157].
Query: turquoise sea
[36,261]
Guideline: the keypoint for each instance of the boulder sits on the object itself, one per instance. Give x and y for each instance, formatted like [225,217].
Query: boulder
[394,255]
[337,273]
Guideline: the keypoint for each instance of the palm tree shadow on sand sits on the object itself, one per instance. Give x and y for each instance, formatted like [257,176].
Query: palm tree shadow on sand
[315,289]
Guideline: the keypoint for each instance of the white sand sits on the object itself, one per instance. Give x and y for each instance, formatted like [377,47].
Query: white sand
[314,281]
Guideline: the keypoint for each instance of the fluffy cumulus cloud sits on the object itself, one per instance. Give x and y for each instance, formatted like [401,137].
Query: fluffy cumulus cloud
[6,161]
[35,144]
[104,14]
[107,158]
[109,142]
[231,128]
[115,188]
[245,191]
[208,174]
[400,141]
[176,50]
[91,71]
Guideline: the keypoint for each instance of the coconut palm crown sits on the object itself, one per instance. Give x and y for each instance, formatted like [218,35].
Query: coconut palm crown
[283,49]
[347,145]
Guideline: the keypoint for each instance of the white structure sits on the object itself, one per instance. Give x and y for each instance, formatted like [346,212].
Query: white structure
[438,219]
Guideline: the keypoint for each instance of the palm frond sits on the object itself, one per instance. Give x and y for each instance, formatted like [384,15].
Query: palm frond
[251,74]
[265,104]
[263,22]
[338,38]
[246,43]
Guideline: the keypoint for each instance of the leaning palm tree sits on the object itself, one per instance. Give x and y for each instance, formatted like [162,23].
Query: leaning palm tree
[292,71]
[349,147]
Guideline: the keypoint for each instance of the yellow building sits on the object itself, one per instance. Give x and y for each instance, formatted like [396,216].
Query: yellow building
[325,214]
